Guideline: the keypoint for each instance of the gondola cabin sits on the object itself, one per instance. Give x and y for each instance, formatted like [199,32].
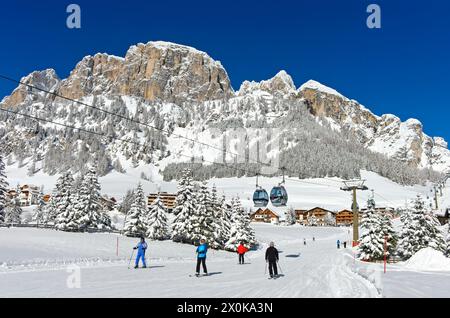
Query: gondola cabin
[260,198]
[278,196]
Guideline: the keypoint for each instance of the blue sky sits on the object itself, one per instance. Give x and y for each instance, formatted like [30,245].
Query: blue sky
[403,68]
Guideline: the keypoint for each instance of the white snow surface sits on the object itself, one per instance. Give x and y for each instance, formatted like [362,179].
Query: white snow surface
[428,259]
[38,263]
[34,262]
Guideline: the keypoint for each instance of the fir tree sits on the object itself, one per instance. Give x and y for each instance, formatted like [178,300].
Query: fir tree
[420,230]
[156,221]
[13,212]
[127,201]
[3,191]
[226,220]
[371,245]
[219,219]
[240,229]
[40,212]
[134,224]
[389,234]
[202,223]
[448,240]
[52,211]
[184,208]
[88,203]
[312,220]
[291,218]
[62,199]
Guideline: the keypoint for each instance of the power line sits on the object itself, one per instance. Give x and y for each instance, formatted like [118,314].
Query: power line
[245,171]
[123,117]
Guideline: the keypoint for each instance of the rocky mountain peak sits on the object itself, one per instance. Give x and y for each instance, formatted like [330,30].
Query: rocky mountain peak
[154,71]
[279,85]
[46,79]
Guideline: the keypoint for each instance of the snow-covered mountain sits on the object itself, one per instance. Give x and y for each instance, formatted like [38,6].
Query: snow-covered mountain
[181,91]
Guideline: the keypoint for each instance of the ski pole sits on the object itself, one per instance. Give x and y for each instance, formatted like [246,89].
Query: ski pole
[265,269]
[280,267]
[131,257]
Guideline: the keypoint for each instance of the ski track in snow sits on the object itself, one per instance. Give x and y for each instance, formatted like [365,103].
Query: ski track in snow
[320,271]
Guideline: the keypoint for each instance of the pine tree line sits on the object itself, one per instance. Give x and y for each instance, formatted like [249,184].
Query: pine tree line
[74,207]
[420,229]
[199,213]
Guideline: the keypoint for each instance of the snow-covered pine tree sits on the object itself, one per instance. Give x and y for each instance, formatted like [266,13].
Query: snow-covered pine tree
[389,234]
[290,216]
[448,240]
[225,209]
[88,203]
[134,223]
[52,211]
[371,245]
[3,191]
[184,208]
[312,220]
[202,223]
[219,219]
[40,212]
[13,212]
[62,198]
[240,229]
[156,221]
[420,230]
[127,201]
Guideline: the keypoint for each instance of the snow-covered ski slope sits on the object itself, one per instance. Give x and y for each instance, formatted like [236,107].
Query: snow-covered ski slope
[35,263]
[303,194]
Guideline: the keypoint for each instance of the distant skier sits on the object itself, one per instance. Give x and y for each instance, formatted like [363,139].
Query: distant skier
[304,241]
[141,247]
[338,243]
[314,239]
[345,244]
[201,257]
[272,259]
[241,251]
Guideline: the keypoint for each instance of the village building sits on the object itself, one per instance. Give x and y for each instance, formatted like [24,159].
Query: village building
[265,215]
[443,216]
[344,217]
[168,199]
[27,194]
[301,215]
[108,203]
[320,217]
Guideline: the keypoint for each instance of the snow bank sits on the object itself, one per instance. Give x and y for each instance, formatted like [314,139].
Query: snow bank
[428,259]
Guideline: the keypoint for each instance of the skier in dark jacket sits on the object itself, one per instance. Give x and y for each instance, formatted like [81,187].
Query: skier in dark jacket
[201,257]
[141,247]
[272,259]
[338,243]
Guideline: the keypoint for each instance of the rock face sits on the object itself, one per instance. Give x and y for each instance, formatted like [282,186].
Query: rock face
[47,80]
[175,74]
[387,134]
[281,85]
[154,71]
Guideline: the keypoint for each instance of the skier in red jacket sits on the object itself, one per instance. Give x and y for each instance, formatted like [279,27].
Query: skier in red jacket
[241,251]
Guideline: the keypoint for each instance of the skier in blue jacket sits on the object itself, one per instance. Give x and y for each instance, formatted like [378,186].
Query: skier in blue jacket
[201,257]
[141,247]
